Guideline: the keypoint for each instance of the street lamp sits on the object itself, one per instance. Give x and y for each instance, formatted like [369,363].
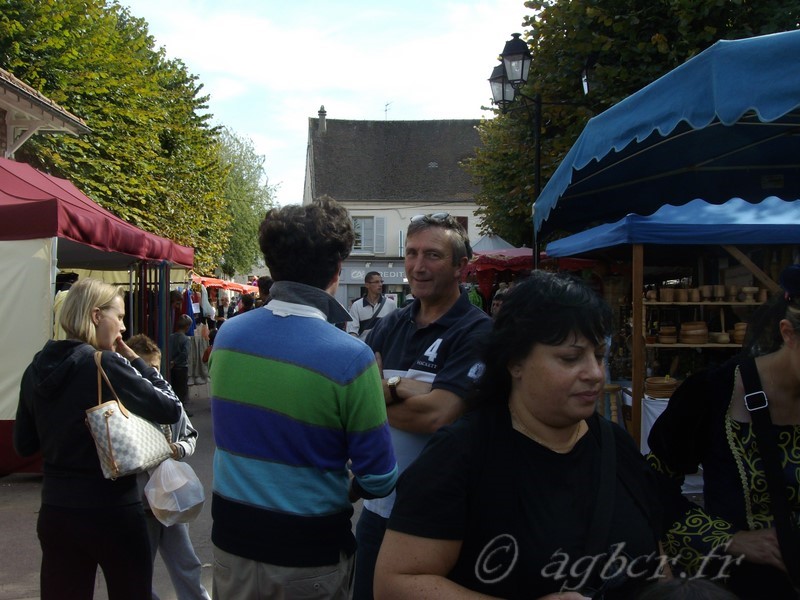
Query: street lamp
[507,80]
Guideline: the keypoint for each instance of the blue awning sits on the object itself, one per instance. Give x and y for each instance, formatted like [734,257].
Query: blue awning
[772,221]
[724,124]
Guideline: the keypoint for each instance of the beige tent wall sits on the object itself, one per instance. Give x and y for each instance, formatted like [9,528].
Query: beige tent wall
[26,270]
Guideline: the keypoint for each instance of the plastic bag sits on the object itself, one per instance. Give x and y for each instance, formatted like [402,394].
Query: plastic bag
[175,493]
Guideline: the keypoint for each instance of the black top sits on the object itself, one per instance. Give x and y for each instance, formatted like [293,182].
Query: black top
[56,389]
[695,429]
[524,512]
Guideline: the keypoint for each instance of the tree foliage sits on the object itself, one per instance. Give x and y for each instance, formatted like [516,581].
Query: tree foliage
[623,45]
[152,157]
[247,196]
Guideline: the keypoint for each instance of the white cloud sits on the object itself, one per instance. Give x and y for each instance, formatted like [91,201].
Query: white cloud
[269,65]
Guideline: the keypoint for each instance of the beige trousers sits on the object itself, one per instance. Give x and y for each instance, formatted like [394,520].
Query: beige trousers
[237,578]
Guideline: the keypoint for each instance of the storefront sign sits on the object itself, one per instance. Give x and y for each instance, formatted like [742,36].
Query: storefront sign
[357,274]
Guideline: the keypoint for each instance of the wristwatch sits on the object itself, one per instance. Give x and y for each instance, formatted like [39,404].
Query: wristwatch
[393,382]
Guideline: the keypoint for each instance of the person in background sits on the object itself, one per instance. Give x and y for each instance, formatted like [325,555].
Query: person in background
[86,520]
[246,303]
[428,353]
[497,301]
[178,346]
[299,421]
[173,542]
[264,285]
[519,498]
[225,309]
[175,308]
[366,311]
[707,421]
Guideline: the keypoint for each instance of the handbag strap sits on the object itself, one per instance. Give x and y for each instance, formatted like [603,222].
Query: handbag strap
[755,400]
[597,538]
[98,355]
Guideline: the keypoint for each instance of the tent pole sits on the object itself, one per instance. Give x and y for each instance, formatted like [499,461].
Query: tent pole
[637,345]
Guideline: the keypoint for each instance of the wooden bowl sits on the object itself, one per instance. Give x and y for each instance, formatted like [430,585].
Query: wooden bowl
[667,339]
[660,387]
[720,337]
[668,330]
[681,295]
[694,325]
[666,295]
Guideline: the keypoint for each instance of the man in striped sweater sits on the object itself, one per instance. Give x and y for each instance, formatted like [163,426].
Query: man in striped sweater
[299,421]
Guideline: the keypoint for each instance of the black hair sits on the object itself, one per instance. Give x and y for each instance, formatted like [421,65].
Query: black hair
[545,308]
[763,329]
[247,301]
[306,243]
[264,284]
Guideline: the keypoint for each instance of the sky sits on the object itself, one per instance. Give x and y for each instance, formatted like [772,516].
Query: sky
[268,65]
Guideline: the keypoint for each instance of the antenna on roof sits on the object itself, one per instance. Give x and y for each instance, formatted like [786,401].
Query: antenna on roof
[386,111]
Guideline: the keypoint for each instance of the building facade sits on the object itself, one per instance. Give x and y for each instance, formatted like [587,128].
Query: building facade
[384,173]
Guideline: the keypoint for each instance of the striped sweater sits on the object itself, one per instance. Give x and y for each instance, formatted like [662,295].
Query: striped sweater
[293,400]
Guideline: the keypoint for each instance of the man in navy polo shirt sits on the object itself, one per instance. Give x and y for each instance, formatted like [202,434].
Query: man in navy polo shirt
[427,351]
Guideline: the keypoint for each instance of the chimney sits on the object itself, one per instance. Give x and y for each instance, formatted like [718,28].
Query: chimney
[322,126]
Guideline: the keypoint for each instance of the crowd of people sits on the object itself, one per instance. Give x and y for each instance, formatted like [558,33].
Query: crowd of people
[473,439]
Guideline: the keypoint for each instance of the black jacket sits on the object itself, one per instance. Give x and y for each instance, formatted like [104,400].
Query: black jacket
[56,389]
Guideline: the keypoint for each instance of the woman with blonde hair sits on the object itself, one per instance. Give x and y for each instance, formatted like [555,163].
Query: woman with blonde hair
[85,520]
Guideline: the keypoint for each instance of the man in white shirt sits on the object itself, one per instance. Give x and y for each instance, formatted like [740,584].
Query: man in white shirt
[366,311]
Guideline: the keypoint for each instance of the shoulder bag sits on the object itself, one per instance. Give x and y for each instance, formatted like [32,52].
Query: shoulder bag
[126,443]
[755,400]
[366,325]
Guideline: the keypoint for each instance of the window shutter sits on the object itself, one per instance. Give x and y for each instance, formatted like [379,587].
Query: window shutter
[380,235]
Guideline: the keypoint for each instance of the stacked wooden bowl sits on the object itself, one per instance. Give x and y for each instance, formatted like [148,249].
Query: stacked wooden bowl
[667,334]
[660,387]
[694,332]
[739,331]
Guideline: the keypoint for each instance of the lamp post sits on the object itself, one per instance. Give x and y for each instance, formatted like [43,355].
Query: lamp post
[507,81]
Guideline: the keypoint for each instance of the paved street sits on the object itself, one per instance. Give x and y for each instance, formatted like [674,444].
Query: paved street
[19,504]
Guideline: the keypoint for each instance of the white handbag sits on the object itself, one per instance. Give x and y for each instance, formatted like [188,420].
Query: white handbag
[126,443]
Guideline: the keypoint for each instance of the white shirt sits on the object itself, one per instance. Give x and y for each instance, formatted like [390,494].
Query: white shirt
[361,311]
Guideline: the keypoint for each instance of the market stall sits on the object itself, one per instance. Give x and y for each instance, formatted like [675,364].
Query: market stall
[46,225]
[722,125]
[739,229]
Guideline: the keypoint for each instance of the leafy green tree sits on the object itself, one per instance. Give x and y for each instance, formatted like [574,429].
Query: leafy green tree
[246,197]
[623,45]
[151,157]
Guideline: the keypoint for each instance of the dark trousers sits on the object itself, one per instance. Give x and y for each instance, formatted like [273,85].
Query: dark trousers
[369,534]
[179,380]
[75,541]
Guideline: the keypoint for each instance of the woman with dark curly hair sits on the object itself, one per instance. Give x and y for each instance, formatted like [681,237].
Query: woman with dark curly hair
[532,494]
[713,419]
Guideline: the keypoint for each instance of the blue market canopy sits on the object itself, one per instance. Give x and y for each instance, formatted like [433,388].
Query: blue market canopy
[724,124]
[771,221]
